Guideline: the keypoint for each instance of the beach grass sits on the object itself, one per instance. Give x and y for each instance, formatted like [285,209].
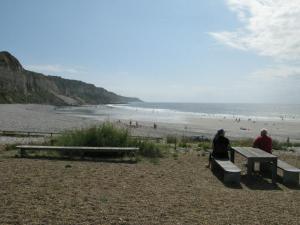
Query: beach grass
[109,135]
[96,136]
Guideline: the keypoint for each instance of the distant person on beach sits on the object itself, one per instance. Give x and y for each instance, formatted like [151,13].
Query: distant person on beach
[263,142]
[220,146]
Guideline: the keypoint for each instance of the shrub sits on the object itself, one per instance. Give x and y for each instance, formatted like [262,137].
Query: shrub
[246,142]
[171,139]
[108,135]
[183,145]
[205,145]
[150,150]
[97,136]
[8,147]
[279,145]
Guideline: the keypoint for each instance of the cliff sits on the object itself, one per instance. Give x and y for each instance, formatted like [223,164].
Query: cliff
[8,61]
[18,85]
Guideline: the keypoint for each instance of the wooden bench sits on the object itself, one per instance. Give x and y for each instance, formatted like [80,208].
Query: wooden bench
[27,133]
[232,173]
[290,173]
[76,149]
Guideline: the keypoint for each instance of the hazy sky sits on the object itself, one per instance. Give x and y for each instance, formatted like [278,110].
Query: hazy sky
[162,50]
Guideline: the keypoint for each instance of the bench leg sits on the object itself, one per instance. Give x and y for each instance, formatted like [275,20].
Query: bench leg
[22,153]
[250,167]
[290,177]
[82,155]
[213,165]
[274,171]
[132,156]
[232,177]
[232,155]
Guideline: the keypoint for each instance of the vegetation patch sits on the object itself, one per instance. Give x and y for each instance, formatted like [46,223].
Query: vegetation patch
[107,135]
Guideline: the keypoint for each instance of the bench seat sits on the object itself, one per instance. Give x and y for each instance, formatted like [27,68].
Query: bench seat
[290,173]
[80,149]
[232,173]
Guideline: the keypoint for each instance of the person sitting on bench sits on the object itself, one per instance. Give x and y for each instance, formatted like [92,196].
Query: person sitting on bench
[263,142]
[220,146]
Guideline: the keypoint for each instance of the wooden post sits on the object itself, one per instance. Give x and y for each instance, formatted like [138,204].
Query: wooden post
[232,155]
[249,167]
[22,152]
[274,171]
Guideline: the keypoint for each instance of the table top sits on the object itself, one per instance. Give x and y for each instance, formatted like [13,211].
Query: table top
[250,152]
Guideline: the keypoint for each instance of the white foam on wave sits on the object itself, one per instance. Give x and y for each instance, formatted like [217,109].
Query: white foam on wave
[182,114]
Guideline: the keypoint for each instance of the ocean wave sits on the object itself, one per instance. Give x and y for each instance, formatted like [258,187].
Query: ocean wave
[183,114]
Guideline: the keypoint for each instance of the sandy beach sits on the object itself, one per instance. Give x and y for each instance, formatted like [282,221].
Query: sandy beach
[174,190]
[48,119]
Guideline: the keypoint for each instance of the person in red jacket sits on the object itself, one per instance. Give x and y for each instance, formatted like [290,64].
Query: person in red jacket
[263,142]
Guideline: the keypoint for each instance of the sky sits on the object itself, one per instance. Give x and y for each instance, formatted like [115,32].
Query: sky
[240,51]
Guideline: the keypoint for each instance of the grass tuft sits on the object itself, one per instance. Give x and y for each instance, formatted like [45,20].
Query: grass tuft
[109,135]
[97,136]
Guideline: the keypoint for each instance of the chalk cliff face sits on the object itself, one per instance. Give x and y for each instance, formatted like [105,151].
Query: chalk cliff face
[18,85]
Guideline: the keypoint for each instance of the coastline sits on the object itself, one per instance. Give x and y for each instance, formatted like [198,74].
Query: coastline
[46,118]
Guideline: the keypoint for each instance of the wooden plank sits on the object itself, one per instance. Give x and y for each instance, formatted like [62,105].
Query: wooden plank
[76,148]
[260,153]
[250,152]
[26,131]
[244,151]
[287,167]
[228,166]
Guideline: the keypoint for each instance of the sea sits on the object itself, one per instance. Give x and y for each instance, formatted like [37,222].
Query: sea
[181,112]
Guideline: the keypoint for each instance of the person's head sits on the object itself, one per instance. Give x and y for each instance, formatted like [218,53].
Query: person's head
[264,132]
[221,132]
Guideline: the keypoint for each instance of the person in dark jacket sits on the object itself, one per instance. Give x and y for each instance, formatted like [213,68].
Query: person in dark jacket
[220,146]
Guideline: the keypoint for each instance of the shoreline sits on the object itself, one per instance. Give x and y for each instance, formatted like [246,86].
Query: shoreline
[46,118]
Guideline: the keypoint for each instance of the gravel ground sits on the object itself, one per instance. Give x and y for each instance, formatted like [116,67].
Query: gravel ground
[174,191]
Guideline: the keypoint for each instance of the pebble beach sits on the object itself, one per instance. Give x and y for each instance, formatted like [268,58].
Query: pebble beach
[174,190]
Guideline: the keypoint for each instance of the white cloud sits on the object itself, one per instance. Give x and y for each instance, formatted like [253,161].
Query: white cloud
[53,69]
[270,28]
[278,71]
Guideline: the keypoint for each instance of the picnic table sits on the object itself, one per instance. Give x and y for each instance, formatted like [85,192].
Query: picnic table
[256,155]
